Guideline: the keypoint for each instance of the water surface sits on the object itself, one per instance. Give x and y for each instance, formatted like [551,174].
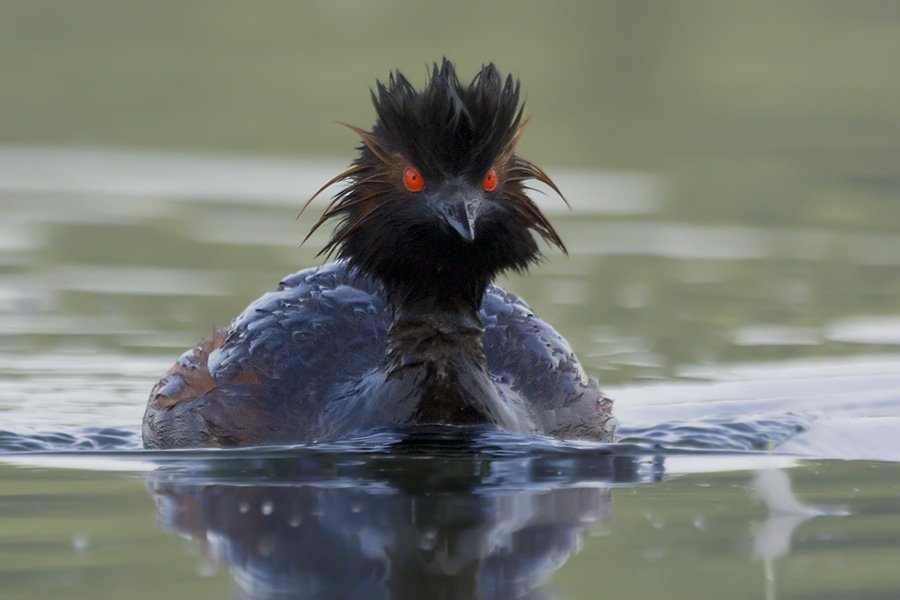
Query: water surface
[107,278]
[733,279]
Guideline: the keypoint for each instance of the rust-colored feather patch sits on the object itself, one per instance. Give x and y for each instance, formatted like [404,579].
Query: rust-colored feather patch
[372,144]
[190,378]
[345,174]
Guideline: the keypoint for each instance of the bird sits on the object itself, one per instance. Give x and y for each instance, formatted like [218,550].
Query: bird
[405,326]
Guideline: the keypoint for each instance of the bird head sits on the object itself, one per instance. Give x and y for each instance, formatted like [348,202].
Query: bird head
[435,204]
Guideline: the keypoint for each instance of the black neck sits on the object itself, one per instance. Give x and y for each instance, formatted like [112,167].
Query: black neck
[445,296]
[435,317]
[436,343]
[419,336]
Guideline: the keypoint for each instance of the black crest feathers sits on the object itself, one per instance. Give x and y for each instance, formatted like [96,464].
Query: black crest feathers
[449,128]
[448,131]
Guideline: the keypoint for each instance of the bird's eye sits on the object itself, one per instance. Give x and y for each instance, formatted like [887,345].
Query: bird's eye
[490,180]
[412,179]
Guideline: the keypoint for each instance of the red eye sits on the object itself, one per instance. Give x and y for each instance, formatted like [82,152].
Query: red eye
[490,180]
[412,179]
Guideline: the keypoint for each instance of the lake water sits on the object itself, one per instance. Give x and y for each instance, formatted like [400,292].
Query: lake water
[733,280]
[114,262]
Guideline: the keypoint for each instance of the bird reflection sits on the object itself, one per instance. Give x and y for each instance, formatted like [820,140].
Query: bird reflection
[772,538]
[402,525]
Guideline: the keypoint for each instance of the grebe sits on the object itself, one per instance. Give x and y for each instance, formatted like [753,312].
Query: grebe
[406,327]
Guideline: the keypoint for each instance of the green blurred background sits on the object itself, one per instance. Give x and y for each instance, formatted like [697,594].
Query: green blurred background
[743,106]
[763,136]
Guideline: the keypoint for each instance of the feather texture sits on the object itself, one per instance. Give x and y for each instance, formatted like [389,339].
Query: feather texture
[450,132]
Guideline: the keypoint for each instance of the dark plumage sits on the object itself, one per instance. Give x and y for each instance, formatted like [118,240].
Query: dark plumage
[406,326]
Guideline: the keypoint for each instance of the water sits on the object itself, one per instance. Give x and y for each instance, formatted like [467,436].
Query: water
[733,279]
[98,301]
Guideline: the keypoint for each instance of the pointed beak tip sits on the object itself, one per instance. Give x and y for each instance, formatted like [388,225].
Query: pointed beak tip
[466,230]
[462,218]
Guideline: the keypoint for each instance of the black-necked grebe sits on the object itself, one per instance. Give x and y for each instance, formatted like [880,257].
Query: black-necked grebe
[406,327]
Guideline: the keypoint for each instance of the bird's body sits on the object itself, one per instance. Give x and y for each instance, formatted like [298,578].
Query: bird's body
[406,328]
[315,348]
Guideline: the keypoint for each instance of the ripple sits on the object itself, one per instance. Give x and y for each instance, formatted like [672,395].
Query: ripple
[91,438]
[138,280]
[444,442]
[753,432]
[775,335]
[73,402]
[235,178]
[689,241]
[72,392]
[878,330]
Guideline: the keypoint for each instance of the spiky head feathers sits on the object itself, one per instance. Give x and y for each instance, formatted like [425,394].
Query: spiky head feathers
[449,128]
[468,217]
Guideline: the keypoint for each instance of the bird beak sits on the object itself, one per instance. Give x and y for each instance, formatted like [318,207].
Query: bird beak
[460,213]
